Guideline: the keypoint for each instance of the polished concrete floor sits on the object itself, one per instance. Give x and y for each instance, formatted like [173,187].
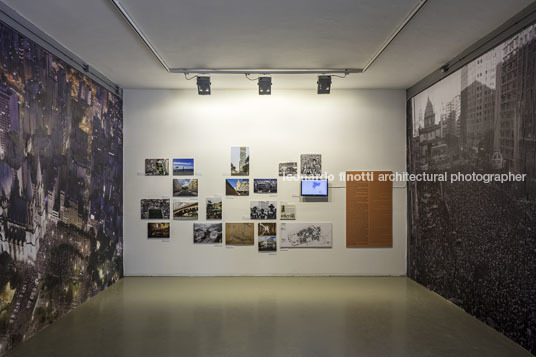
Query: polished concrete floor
[268,316]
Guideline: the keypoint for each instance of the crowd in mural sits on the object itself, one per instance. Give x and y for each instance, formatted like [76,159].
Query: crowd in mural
[474,242]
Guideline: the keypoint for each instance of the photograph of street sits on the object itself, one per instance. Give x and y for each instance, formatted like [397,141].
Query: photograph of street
[184,187]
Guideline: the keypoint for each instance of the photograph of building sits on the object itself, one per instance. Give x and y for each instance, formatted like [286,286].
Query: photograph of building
[265,185]
[207,233]
[240,161]
[237,187]
[155,208]
[158,230]
[214,207]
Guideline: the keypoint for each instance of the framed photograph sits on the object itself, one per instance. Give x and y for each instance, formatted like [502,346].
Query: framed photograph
[263,210]
[185,187]
[207,233]
[267,244]
[214,207]
[155,209]
[266,229]
[183,167]
[158,230]
[237,187]
[288,169]
[156,167]
[239,161]
[288,212]
[185,210]
[265,185]
[311,164]
[306,235]
[239,234]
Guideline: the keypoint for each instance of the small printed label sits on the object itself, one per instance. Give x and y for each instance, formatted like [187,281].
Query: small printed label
[229,247]
[283,250]
[245,218]
[141,173]
[197,173]
[295,195]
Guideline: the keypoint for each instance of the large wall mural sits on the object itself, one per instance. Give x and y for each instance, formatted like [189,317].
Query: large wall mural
[61,188]
[474,242]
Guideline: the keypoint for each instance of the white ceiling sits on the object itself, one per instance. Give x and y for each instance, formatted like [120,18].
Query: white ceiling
[267,34]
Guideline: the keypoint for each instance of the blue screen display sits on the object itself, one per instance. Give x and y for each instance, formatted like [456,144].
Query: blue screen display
[314,187]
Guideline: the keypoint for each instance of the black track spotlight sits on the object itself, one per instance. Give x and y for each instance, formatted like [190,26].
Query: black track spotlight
[265,85]
[324,84]
[203,85]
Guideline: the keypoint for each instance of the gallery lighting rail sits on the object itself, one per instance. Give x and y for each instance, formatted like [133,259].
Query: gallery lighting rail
[243,71]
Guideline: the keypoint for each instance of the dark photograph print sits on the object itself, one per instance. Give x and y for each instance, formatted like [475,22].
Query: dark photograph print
[155,208]
[265,185]
[156,167]
[158,230]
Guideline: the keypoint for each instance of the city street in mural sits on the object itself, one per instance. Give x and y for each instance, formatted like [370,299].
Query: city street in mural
[61,188]
[473,242]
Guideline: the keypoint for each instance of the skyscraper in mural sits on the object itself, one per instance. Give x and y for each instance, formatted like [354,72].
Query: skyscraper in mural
[60,188]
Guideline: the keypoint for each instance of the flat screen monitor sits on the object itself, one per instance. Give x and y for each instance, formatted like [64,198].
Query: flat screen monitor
[314,187]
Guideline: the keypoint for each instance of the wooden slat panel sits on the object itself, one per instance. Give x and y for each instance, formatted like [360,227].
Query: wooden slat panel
[369,211]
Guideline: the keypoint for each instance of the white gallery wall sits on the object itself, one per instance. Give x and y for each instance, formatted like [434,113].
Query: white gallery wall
[351,129]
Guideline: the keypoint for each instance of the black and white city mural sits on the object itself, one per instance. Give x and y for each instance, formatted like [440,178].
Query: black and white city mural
[61,188]
[474,242]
